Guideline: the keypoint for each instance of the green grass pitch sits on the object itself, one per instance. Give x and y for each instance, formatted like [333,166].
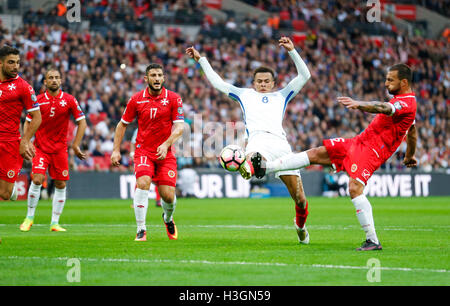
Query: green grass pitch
[227,242]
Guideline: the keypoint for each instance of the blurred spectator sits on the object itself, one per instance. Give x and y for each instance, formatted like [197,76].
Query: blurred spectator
[330,184]
[187,178]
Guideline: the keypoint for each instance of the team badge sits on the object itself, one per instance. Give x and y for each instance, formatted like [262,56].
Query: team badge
[399,105]
[33,98]
[180,110]
[171,173]
[62,103]
[65,173]
[11,87]
[354,167]
[265,99]
[11,173]
[366,174]
[164,101]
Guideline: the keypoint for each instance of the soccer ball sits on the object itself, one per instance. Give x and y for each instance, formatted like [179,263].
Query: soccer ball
[231,158]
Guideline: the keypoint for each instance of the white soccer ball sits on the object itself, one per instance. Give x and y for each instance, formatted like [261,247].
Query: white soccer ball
[232,157]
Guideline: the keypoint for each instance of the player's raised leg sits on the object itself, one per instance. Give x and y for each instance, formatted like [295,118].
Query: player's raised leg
[364,215]
[290,161]
[295,187]
[169,203]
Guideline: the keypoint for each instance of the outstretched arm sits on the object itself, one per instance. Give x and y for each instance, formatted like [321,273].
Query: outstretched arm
[212,76]
[303,72]
[370,107]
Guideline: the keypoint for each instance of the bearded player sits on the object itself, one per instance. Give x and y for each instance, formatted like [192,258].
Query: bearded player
[263,108]
[160,123]
[15,95]
[362,155]
[51,147]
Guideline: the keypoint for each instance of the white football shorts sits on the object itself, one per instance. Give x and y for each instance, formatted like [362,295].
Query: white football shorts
[270,147]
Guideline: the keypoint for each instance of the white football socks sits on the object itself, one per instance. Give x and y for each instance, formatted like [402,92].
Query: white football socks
[34,193]
[169,209]
[14,194]
[140,204]
[290,161]
[59,199]
[365,217]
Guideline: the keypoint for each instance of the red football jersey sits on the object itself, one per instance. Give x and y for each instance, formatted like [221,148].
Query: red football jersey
[15,95]
[51,136]
[386,132]
[156,115]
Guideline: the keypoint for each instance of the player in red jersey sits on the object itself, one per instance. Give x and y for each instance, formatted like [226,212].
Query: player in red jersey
[15,95]
[51,147]
[160,123]
[362,155]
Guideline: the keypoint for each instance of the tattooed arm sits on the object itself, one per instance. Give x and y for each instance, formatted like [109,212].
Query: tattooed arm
[370,107]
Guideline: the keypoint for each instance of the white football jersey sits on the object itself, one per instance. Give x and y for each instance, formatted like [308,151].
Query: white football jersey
[261,111]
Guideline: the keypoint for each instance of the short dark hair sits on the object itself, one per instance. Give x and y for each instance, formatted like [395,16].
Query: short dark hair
[52,68]
[403,72]
[153,66]
[8,50]
[264,69]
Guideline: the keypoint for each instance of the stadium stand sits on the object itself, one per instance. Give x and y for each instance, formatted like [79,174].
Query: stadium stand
[103,65]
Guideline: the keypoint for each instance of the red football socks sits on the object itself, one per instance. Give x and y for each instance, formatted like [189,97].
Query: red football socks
[300,215]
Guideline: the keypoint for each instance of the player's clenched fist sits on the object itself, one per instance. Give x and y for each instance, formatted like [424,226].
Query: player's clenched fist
[27,150]
[193,53]
[115,158]
[410,162]
[286,43]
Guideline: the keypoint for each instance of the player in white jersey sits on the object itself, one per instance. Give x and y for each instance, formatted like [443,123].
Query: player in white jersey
[263,111]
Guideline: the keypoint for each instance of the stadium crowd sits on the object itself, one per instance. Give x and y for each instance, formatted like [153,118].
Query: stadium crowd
[102,66]
[293,7]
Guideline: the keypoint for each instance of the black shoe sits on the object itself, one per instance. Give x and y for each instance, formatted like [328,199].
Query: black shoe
[171,229]
[141,236]
[368,245]
[258,167]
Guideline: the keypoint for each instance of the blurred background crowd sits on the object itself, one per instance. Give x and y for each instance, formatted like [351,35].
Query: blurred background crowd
[103,64]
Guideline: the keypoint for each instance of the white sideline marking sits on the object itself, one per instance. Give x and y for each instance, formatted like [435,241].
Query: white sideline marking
[207,262]
[237,226]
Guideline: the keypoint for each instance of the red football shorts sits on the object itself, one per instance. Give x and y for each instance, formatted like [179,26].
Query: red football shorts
[10,160]
[162,172]
[357,159]
[56,163]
